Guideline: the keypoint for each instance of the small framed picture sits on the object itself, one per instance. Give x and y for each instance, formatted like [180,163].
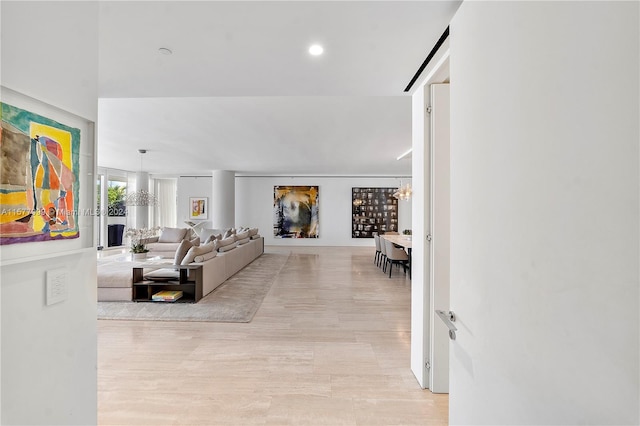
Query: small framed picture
[198,208]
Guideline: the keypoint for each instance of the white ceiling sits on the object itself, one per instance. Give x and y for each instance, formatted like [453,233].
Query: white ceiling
[240,92]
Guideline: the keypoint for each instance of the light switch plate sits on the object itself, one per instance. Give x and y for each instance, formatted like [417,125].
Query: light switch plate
[57,286]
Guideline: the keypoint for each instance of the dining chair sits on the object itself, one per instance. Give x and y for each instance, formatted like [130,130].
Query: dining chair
[395,255]
[376,260]
[382,261]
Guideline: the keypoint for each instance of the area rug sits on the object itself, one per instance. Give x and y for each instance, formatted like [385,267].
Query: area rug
[235,300]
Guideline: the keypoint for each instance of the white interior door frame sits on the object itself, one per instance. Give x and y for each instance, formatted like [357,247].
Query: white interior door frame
[440,241]
[436,72]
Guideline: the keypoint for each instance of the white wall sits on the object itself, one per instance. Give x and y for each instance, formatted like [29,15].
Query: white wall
[48,353]
[545,215]
[192,186]
[59,66]
[254,207]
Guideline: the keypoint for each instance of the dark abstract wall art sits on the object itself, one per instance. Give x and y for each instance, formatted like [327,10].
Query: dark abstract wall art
[295,211]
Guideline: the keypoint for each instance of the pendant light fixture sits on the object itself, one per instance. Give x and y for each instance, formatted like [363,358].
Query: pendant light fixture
[403,192]
[141,197]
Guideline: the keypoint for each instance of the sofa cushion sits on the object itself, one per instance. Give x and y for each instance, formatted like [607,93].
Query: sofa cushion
[181,251]
[164,248]
[226,242]
[196,251]
[253,231]
[244,241]
[206,256]
[228,247]
[164,274]
[195,241]
[172,235]
[207,232]
[213,238]
[242,235]
[215,242]
[255,237]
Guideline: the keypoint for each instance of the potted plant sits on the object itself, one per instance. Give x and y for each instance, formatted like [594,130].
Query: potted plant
[139,251]
[138,237]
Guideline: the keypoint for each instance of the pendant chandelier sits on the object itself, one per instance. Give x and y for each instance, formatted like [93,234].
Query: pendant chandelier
[403,192]
[141,197]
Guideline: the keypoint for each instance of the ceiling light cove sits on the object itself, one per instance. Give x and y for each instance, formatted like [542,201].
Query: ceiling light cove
[316,50]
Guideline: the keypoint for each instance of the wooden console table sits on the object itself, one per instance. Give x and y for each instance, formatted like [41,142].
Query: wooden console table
[142,289]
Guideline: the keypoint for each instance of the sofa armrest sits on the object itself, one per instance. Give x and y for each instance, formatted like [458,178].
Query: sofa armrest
[150,240]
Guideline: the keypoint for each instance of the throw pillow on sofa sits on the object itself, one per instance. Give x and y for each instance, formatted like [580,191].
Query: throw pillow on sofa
[205,233]
[228,247]
[197,251]
[206,256]
[181,251]
[213,238]
[242,235]
[172,235]
[227,244]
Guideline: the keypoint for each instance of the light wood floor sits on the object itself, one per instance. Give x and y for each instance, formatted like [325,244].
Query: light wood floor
[329,346]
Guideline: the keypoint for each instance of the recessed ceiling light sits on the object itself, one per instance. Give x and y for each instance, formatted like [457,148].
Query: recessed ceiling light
[165,51]
[316,50]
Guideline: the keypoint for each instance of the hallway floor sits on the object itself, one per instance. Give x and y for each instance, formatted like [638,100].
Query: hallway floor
[329,346]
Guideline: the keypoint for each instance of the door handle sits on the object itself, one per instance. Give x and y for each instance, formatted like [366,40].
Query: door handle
[448,318]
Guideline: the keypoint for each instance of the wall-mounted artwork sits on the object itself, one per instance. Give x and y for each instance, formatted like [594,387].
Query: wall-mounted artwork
[295,211]
[374,210]
[198,208]
[39,178]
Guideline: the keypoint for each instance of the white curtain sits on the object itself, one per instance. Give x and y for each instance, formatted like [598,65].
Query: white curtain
[165,213]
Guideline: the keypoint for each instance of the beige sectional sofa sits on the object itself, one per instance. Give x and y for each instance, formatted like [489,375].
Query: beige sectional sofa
[115,278]
[217,270]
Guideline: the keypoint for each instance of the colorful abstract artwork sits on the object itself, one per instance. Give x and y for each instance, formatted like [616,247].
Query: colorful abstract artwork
[198,208]
[39,181]
[295,211]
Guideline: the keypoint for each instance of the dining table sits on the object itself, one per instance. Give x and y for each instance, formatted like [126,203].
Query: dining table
[400,240]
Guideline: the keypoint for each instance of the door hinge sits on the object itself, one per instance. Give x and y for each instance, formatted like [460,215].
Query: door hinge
[428,109]
[427,365]
[428,237]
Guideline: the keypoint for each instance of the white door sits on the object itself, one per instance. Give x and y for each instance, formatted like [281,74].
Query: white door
[440,218]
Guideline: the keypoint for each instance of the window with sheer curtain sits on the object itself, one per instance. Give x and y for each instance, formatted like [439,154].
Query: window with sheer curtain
[165,212]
